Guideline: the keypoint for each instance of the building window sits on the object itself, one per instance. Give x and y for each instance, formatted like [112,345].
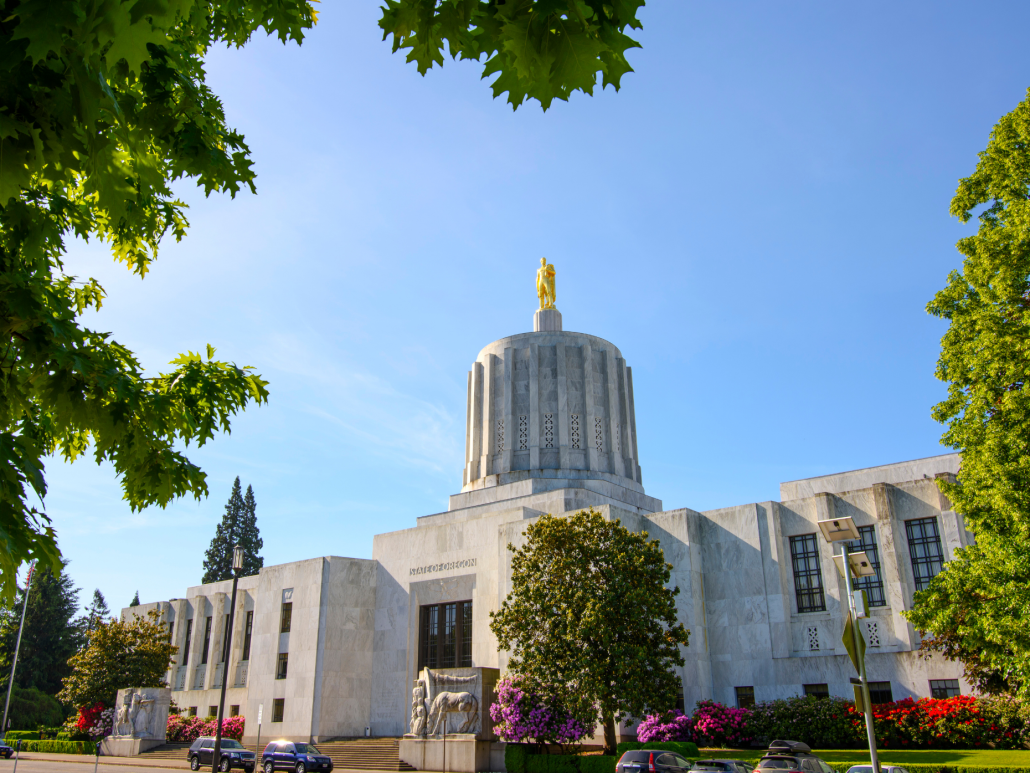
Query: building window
[944,688]
[819,691]
[280,666]
[745,697]
[247,631]
[171,632]
[193,711]
[207,641]
[212,711]
[445,635]
[873,585]
[278,706]
[234,711]
[286,618]
[808,576]
[924,546]
[186,649]
[880,692]
[225,640]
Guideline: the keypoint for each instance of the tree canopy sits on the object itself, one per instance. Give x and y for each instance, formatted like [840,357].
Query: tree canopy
[974,609]
[103,105]
[237,527]
[590,618]
[52,632]
[131,653]
[97,611]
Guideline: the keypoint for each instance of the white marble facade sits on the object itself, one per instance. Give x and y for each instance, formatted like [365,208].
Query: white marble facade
[551,428]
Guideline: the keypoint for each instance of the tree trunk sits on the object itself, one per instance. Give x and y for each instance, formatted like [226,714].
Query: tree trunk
[609,734]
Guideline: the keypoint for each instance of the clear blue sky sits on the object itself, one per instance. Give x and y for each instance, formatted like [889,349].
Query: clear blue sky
[757,220]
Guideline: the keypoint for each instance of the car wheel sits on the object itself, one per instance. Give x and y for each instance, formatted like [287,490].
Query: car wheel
[300,767]
[269,767]
[194,762]
[224,767]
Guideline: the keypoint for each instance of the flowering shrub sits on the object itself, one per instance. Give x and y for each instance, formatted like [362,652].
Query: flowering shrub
[96,721]
[671,726]
[525,717]
[962,722]
[188,729]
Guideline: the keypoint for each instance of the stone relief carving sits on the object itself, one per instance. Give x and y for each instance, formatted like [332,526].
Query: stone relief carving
[139,710]
[432,707]
[454,703]
[418,709]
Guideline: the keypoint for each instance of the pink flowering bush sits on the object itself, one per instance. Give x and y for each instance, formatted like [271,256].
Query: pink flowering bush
[521,716]
[715,725]
[188,729]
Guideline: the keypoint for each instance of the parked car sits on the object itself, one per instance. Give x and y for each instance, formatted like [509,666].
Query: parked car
[6,751]
[233,754]
[723,766]
[869,769]
[296,756]
[651,761]
[791,757]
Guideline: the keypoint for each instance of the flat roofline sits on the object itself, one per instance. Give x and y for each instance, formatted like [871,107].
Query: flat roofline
[874,467]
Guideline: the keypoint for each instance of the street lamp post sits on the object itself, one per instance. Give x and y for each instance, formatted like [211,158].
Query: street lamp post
[14,665]
[843,530]
[237,566]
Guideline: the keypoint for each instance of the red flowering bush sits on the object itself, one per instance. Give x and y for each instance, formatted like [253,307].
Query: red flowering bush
[188,729]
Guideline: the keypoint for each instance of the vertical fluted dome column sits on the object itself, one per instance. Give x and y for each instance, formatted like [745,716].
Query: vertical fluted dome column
[550,404]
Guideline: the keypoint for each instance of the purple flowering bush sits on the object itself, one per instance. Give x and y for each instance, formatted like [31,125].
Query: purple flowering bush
[671,726]
[711,725]
[521,716]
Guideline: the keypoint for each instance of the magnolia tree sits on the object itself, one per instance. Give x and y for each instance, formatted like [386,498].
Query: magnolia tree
[522,716]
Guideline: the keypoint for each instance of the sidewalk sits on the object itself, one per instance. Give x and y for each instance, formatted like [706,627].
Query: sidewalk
[139,762]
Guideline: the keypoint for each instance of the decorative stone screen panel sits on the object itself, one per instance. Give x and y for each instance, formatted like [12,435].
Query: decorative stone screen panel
[523,433]
[548,430]
[574,430]
[813,637]
[872,633]
[599,435]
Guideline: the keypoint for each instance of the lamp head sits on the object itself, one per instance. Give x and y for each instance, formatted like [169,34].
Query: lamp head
[237,558]
[839,529]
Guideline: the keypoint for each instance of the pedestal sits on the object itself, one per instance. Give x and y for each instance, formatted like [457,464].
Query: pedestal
[464,753]
[547,321]
[115,746]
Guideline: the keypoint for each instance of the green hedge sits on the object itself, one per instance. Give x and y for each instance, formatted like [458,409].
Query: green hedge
[552,763]
[21,735]
[517,759]
[682,748]
[597,763]
[59,747]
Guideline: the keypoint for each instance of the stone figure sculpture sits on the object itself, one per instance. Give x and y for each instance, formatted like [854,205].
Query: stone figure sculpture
[418,709]
[454,703]
[123,721]
[141,722]
[545,284]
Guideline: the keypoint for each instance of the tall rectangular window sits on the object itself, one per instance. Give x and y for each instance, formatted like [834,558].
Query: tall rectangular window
[924,547]
[466,635]
[225,640]
[207,640]
[745,697]
[819,691]
[171,632]
[248,629]
[278,709]
[445,635]
[193,711]
[186,648]
[280,666]
[234,711]
[808,575]
[287,617]
[873,585]
[944,688]
[880,692]
[212,711]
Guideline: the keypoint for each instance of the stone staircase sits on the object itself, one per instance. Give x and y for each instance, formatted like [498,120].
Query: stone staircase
[360,754]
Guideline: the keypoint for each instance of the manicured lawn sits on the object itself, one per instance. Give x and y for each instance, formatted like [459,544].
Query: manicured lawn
[986,758]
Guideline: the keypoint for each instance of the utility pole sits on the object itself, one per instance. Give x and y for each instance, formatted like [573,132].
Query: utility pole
[21,627]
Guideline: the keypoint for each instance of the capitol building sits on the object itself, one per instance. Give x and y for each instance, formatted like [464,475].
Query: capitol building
[331,646]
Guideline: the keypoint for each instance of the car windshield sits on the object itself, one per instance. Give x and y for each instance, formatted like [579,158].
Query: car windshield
[306,748]
[228,743]
[779,763]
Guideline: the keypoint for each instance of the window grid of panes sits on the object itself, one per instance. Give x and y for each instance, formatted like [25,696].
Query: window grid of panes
[445,635]
[944,688]
[880,692]
[281,665]
[745,697]
[924,547]
[808,575]
[873,586]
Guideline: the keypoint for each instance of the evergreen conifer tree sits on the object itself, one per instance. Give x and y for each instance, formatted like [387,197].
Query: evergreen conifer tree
[97,611]
[51,636]
[237,527]
[135,600]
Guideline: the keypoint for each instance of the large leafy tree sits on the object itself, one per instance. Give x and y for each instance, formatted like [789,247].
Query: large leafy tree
[590,618]
[52,633]
[237,527]
[103,105]
[130,653]
[975,609]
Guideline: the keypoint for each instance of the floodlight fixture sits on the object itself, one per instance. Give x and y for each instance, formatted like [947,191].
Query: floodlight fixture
[839,529]
[859,562]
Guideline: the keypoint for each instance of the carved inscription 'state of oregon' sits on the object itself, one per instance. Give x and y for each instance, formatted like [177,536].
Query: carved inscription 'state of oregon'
[464,563]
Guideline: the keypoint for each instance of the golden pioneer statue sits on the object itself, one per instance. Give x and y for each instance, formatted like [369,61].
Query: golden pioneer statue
[545,284]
